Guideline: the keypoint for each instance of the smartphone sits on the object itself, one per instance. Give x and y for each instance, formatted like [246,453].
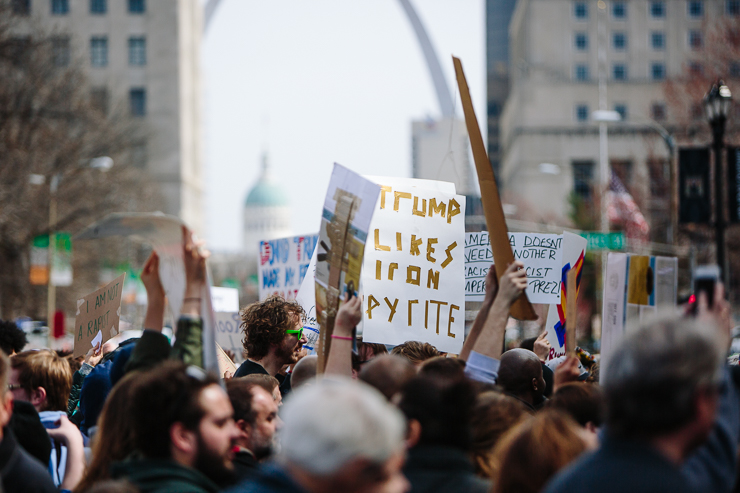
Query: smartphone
[705,279]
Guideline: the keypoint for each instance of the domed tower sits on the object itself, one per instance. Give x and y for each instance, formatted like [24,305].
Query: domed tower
[266,212]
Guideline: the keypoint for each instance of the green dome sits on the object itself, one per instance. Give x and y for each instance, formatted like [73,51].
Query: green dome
[266,193]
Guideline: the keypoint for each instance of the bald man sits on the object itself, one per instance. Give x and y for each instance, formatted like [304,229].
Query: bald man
[520,376]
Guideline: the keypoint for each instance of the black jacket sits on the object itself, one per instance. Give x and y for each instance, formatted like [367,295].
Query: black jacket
[19,471]
[435,468]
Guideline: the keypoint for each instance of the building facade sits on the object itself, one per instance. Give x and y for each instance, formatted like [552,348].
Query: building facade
[141,58]
[549,139]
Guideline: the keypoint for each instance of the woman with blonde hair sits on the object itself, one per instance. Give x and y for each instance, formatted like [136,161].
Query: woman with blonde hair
[529,455]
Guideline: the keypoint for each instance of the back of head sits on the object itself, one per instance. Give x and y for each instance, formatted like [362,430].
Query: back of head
[44,368]
[12,339]
[443,408]
[652,378]
[416,352]
[534,451]
[264,324]
[388,373]
[493,415]
[441,367]
[583,402]
[304,371]
[328,424]
[167,394]
[518,368]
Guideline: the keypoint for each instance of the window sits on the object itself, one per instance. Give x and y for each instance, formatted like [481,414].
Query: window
[21,7]
[696,8]
[657,40]
[99,51]
[59,7]
[98,6]
[732,7]
[60,51]
[137,98]
[657,71]
[582,112]
[619,41]
[136,6]
[696,39]
[621,108]
[583,178]
[619,10]
[137,51]
[99,99]
[657,111]
[657,9]
[581,73]
[580,10]
[581,41]
[619,71]
[734,69]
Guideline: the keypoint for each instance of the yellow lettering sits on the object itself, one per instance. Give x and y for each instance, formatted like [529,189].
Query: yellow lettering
[412,269]
[449,256]
[378,246]
[398,196]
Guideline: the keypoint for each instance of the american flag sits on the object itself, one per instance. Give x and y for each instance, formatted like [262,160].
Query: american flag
[623,211]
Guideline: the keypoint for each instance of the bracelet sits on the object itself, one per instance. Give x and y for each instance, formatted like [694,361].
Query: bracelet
[341,337]
[191,299]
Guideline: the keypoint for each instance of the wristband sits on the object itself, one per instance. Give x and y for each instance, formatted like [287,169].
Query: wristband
[341,337]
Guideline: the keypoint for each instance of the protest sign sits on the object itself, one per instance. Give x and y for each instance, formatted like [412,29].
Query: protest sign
[228,333]
[542,255]
[165,234]
[283,263]
[306,297]
[345,221]
[492,208]
[574,253]
[97,316]
[413,274]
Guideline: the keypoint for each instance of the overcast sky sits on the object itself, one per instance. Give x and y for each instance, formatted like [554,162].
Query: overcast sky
[317,82]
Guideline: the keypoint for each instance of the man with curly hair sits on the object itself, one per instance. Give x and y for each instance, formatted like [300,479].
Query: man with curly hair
[273,338]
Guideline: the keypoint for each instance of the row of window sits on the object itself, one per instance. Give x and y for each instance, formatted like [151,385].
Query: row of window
[61,7]
[694,37]
[99,100]
[99,51]
[657,111]
[657,9]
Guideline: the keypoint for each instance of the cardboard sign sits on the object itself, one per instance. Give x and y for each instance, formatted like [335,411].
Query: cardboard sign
[492,208]
[574,253]
[413,279]
[229,334]
[97,316]
[345,221]
[542,255]
[283,264]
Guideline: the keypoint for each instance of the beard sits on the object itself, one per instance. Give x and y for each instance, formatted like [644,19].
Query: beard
[214,466]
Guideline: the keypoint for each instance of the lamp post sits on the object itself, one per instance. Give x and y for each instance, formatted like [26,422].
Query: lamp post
[717,104]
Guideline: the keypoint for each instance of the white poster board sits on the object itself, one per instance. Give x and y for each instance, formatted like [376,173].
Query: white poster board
[412,276]
[283,263]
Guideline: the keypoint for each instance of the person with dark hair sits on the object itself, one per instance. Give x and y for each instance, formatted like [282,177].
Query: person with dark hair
[520,376]
[439,413]
[416,352]
[183,431]
[256,417]
[388,373]
[273,338]
[12,339]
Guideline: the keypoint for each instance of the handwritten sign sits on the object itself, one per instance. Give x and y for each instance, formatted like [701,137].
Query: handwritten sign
[98,313]
[283,264]
[413,270]
[228,333]
[542,257]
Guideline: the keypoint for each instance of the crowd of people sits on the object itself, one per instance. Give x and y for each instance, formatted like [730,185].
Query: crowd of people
[143,415]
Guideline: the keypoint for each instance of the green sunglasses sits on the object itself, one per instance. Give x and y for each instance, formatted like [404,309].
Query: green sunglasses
[298,332]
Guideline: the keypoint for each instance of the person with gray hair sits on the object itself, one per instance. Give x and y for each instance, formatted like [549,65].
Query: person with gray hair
[662,388]
[338,435]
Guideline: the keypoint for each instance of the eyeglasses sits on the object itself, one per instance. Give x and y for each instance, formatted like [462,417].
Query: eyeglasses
[297,332]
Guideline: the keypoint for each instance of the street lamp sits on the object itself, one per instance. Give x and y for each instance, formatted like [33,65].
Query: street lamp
[717,104]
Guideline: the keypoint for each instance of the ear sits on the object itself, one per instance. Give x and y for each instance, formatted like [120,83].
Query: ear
[38,397]
[183,440]
[414,433]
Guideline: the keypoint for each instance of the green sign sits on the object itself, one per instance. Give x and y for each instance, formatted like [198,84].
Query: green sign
[604,241]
